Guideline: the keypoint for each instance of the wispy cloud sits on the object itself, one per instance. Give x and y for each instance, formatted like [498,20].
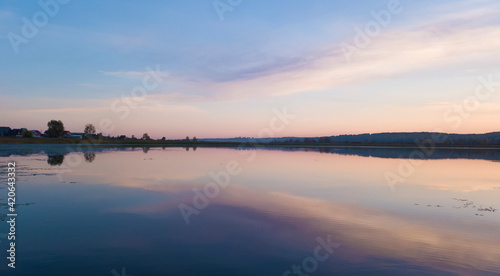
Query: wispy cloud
[98,39]
[79,110]
[5,14]
[440,43]
[133,74]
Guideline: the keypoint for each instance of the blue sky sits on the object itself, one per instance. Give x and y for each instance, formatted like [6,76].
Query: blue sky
[224,78]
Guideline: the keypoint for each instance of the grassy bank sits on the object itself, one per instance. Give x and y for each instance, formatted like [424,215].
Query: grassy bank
[181,143]
[128,142]
[26,140]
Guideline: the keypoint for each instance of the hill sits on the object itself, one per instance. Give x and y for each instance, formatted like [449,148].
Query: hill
[492,138]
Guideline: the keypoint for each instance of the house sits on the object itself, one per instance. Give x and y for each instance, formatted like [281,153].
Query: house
[75,135]
[4,131]
[36,134]
[17,132]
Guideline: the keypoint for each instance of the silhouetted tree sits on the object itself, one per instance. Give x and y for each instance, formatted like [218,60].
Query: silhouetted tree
[27,133]
[89,129]
[163,139]
[145,136]
[187,138]
[56,129]
[194,139]
[324,140]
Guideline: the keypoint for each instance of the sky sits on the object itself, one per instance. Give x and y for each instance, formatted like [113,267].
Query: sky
[230,68]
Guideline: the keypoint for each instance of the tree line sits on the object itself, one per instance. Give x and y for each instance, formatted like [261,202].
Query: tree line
[56,130]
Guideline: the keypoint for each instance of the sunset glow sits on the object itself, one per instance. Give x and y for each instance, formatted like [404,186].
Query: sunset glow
[340,67]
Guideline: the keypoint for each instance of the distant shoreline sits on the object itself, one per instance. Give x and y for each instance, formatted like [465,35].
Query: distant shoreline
[181,143]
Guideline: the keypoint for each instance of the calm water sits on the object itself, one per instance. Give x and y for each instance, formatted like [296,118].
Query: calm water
[320,211]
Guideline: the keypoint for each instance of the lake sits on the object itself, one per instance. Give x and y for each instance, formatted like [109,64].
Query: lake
[245,211]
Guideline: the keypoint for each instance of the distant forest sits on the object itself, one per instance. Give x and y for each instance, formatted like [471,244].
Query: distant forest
[492,138]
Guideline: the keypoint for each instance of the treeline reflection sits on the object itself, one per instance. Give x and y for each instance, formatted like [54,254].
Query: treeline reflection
[405,153]
[56,153]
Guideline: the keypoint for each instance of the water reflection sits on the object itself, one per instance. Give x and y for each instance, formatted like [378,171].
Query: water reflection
[89,157]
[492,154]
[268,218]
[370,238]
[58,160]
[55,160]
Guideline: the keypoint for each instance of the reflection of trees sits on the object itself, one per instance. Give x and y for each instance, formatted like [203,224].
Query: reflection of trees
[55,160]
[89,156]
[145,149]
